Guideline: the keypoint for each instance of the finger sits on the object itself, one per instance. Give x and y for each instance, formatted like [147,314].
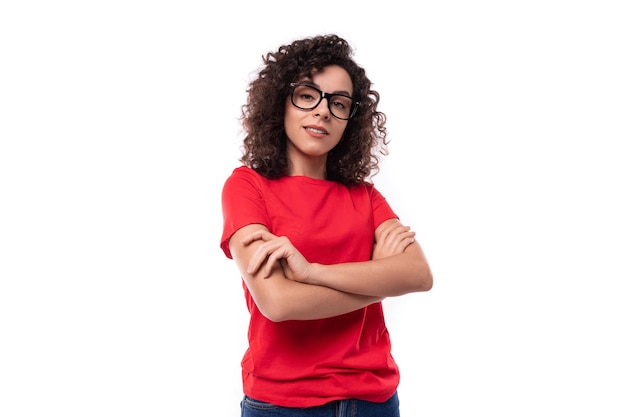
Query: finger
[254,264]
[393,230]
[392,237]
[399,242]
[263,235]
[272,260]
[276,257]
[261,255]
[404,238]
[406,242]
[258,257]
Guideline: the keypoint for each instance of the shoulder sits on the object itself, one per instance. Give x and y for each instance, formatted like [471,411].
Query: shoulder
[244,175]
[367,188]
[244,172]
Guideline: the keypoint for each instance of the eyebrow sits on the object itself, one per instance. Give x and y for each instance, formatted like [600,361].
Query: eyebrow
[312,84]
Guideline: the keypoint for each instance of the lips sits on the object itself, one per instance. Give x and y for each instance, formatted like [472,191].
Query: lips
[316,130]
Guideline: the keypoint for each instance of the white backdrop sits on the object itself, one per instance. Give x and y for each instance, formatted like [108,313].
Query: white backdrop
[118,126]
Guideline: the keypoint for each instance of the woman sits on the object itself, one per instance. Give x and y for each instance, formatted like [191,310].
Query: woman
[317,245]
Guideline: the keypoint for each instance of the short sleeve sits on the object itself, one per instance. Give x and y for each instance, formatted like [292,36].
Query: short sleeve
[242,204]
[380,208]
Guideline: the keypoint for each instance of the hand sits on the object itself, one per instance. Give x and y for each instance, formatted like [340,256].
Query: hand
[277,249]
[393,240]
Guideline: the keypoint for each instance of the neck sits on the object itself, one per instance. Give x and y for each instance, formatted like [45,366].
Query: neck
[309,167]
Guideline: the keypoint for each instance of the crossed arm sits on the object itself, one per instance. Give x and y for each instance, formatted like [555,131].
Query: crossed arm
[285,286]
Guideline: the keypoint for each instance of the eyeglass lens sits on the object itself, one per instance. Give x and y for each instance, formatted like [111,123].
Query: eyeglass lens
[306,97]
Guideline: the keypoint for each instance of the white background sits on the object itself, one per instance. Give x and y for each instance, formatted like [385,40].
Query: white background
[118,126]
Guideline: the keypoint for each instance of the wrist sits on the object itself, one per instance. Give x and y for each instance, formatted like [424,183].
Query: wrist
[315,274]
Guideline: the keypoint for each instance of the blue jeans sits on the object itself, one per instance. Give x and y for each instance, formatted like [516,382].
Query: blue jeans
[343,408]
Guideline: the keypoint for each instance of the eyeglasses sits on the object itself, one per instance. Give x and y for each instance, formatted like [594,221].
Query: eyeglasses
[307,97]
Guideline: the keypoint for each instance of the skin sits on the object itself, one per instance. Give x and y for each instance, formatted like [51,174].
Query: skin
[284,285]
[314,133]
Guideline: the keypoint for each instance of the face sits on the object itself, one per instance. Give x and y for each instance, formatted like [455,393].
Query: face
[313,133]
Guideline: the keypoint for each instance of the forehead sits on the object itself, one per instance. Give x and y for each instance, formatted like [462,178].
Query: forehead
[332,78]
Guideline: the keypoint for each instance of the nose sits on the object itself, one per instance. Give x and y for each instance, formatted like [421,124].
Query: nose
[323,109]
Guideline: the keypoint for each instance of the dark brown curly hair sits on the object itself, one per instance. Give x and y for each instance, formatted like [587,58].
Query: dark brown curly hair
[356,156]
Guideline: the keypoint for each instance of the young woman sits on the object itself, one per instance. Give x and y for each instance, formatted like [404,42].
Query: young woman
[318,247]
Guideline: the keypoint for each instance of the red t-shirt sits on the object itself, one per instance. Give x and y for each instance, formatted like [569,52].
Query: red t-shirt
[303,363]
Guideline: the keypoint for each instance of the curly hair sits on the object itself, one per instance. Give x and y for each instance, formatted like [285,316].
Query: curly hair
[356,157]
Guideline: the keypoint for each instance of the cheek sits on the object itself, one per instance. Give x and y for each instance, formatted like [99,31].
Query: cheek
[290,110]
[342,130]
[290,121]
[293,118]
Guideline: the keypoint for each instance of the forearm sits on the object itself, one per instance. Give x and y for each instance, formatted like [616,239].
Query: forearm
[279,298]
[285,286]
[385,277]
[290,300]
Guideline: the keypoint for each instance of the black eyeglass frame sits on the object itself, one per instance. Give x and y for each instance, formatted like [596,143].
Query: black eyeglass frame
[327,96]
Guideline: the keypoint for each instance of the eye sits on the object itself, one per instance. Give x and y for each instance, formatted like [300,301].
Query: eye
[306,94]
[341,102]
